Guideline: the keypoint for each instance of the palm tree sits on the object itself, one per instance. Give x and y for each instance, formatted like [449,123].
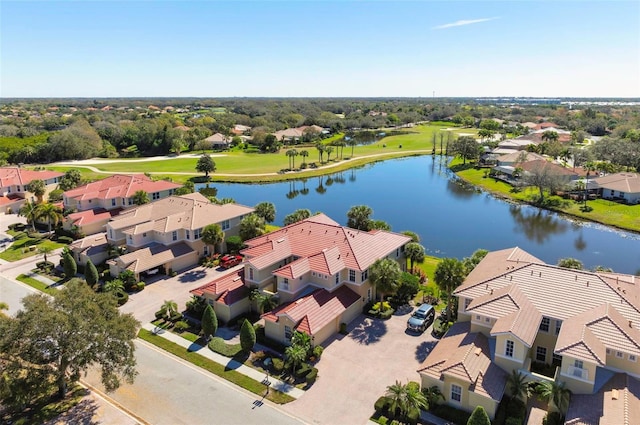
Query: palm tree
[359,217]
[397,395]
[115,286]
[556,394]
[45,250]
[304,155]
[433,395]
[517,384]
[295,355]
[141,197]
[266,302]
[294,153]
[449,274]
[30,211]
[415,252]
[170,308]
[320,148]
[414,398]
[384,275]
[328,149]
[550,136]
[212,234]
[352,142]
[289,154]
[251,227]
[37,187]
[49,212]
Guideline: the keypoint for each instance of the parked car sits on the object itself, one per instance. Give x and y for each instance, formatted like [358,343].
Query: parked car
[422,318]
[229,261]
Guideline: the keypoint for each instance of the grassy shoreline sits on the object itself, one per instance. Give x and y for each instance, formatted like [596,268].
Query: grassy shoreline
[608,213]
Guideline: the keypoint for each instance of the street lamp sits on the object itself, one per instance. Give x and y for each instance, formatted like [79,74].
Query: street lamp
[586,189]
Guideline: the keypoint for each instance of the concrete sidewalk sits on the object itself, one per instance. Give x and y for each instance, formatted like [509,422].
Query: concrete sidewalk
[227,362]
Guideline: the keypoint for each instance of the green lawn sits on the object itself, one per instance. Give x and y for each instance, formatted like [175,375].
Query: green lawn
[215,368]
[35,283]
[605,212]
[418,140]
[22,248]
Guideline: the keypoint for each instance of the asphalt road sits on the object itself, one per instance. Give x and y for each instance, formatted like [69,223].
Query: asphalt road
[170,391]
[12,293]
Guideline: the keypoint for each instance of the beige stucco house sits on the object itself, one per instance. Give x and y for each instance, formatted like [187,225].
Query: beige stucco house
[166,233]
[586,324]
[14,182]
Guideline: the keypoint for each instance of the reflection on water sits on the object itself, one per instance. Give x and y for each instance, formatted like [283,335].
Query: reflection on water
[538,225]
[421,194]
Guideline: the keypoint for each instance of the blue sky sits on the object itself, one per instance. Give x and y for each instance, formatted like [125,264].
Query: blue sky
[319,48]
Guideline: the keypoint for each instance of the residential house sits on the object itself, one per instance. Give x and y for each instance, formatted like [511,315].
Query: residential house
[293,134]
[227,294]
[116,191]
[585,324]
[89,222]
[240,129]
[218,141]
[319,270]
[514,158]
[94,248]
[14,182]
[167,233]
[618,186]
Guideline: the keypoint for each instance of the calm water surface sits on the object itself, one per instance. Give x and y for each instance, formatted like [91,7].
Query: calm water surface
[452,219]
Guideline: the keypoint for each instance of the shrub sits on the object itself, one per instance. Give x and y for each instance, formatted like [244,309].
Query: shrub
[65,239]
[552,418]
[247,336]
[234,243]
[278,365]
[317,351]
[395,422]
[160,314]
[451,413]
[46,266]
[258,356]
[382,420]
[343,328]
[175,317]
[19,235]
[303,370]
[413,415]
[35,235]
[312,376]
[181,326]
[382,404]
[516,409]
[123,297]
[140,286]
[513,421]
[386,314]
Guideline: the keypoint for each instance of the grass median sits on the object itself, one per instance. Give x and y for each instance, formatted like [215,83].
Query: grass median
[215,368]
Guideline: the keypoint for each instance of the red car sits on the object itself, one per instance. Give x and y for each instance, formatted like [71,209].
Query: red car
[229,261]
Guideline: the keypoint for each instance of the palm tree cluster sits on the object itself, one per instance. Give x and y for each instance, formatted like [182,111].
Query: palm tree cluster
[33,212]
[404,399]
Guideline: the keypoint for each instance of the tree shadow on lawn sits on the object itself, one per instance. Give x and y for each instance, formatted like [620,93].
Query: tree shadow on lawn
[192,276]
[369,332]
[82,413]
[424,349]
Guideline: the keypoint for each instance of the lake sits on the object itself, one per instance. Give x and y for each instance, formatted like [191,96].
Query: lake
[453,219]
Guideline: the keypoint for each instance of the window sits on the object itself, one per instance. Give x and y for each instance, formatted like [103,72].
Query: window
[369,294]
[456,393]
[196,234]
[250,273]
[110,233]
[578,364]
[287,333]
[144,235]
[225,225]
[188,234]
[337,278]
[174,235]
[478,317]
[285,284]
[352,275]
[364,275]
[467,301]
[130,201]
[313,274]
[205,251]
[541,354]
[508,350]
[557,359]
[113,202]
[619,354]
[397,252]
[608,351]
[130,238]
[632,358]
[487,319]
[544,325]
[558,326]
[155,195]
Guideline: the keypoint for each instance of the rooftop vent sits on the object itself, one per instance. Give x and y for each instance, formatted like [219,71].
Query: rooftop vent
[235,279]
[280,240]
[630,323]
[477,351]
[614,394]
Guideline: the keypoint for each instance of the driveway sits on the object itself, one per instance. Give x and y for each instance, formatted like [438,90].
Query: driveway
[357,368]
[161,288]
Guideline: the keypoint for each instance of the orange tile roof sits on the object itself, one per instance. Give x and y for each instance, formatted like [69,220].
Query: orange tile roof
[119,186]
[356,249]
[10,199]
[540,164]
[466,356]
[315,311]
[87,217]
[16,176]
[227,289]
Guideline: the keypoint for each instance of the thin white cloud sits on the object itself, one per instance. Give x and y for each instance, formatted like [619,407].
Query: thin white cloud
[464,22]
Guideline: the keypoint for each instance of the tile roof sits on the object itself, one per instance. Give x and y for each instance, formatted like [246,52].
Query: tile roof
[119,186]
[604,311]
[97,240]
[466,356]
[308,238]
[541,164]
[16,176]
[622,182]
[227,289]
[218,138]
[84,218]
[191,211]
[515,156]
[10,199]
[315,311]
[617,402]
[153,255]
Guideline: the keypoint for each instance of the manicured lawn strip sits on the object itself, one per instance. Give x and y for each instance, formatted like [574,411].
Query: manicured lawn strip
[215,368]
[35,283]
[15,251]
[606,212]
[220,346]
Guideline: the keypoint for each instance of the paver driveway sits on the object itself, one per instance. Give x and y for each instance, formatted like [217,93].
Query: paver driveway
[357,368]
